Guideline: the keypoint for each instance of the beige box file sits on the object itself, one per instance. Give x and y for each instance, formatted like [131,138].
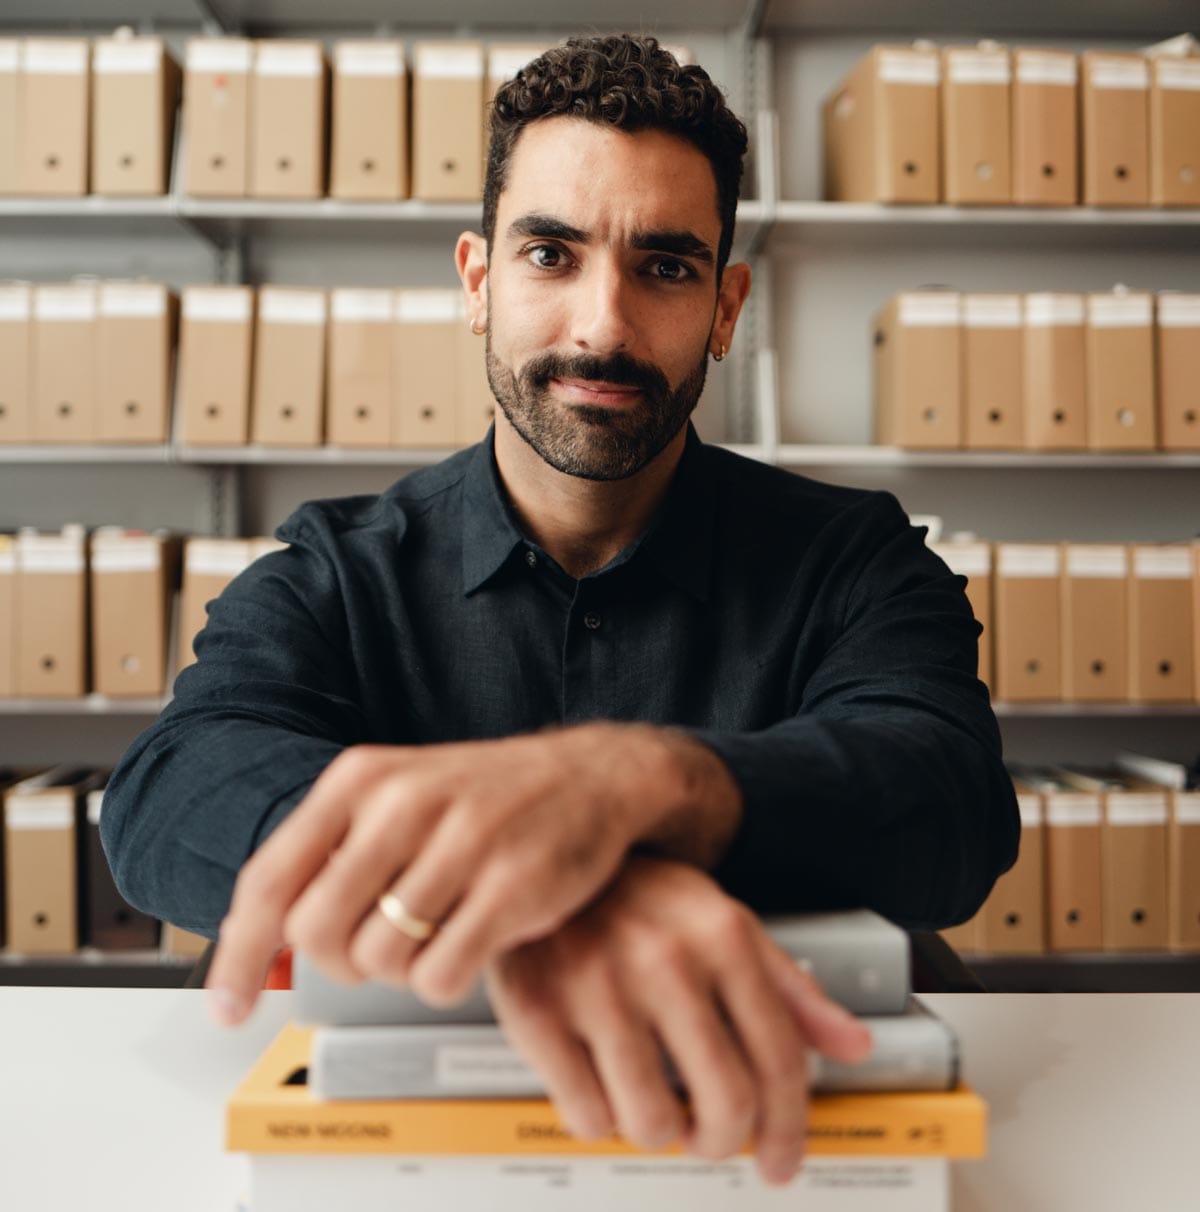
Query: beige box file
[132,582]
[1114,89]
[16,358]
[1074,887]
[216,116]
[208,566]
[360,367]
[976,126]
[135,337]
[1120,371]
[135,93]
[52,590]
[288,119]
[973,560]
[881,129]
[1014,915]
[447,121]
[369,142]
[1045,127]
[1175,131]
[1178,347]
[425,346]
[1054,366]
[216,342]
[10,62]
[64,363]
[1095,622]
[1134,866]
[993,382]
[9,640]
[1161,624]
[475,406]
[289,367]
[1028,626]
[918,375]
[1183,874]
[54,89]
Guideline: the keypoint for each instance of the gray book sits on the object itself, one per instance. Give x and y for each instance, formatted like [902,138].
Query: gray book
[912,1051]
[860,959]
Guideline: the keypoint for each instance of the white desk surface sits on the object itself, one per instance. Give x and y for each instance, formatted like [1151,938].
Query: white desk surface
[113,1099]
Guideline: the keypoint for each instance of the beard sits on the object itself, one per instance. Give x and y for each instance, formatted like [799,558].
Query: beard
[594,441]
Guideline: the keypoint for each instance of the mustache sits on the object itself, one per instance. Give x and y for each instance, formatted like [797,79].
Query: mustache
[616,368]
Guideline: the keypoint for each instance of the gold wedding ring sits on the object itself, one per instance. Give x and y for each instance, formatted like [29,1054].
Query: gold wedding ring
[416,928]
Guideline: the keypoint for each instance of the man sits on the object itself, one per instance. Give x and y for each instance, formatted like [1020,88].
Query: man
[560,708]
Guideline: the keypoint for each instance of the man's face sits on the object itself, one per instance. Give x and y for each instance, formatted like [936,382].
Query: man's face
[602,290]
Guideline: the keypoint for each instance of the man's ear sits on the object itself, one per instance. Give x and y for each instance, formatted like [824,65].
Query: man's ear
[470,258]
[731,295]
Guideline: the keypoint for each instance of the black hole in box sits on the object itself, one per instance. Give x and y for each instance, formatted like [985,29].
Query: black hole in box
[1191,416]
[1033,666]
[1138,916]
[995,416]
[284,162]
[126,161]
[48,662]
[51,161]
[427,414]
[1073,917]
[1012,919]
[1164,667]
[287,412]
[213,410]
[362,413]
[1097,666]
[1047,170]
[3,410]
[121,917]
[64,409]
[131,407]
[910,168]
[40,919]
[449,166]
[1059,416]
[879,339]
[368,166]
[218,161]
[1121,171]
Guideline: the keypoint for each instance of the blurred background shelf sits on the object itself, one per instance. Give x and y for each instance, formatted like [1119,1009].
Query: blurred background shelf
[1149,972]
[149,969]
[817,455]
[92,704]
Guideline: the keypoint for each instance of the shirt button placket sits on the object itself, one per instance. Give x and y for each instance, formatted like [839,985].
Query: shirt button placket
[591,620]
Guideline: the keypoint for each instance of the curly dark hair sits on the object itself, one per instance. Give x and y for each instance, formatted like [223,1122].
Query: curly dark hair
[630,83]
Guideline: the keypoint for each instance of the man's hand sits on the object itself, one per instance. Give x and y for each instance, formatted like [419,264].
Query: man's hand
[665,961]
[496,842]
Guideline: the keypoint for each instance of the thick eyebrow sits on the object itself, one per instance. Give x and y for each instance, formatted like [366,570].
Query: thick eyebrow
[548,226]
[675,243]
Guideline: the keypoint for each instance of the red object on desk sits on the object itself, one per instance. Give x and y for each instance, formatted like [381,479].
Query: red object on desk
[280,975]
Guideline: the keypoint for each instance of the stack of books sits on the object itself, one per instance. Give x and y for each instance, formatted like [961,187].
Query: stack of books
[369,1096]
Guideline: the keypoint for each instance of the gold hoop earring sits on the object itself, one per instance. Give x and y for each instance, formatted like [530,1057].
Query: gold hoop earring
[477,331]
[719,357]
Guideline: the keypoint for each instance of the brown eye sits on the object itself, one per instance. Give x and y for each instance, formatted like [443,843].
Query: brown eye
[545,256]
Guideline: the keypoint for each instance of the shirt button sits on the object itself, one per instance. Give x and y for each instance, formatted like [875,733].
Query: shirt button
[531,559]
[591,621]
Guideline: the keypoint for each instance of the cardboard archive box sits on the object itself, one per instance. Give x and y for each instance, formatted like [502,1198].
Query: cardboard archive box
[475,406]
[208,566]
[110,922]
[973,560]
[1045,127]
[1175,131]
[54,89]
[1054,367]
[1122,407]
[64,363]
[424,370]
[135,93]
[1074,886]
[8,617]
[52,614]
[360,367]
[881,129]
[918,377]
[135,338]
[16,342]
[369,141]
[1028,626]
[289,367]
[288,119]
[993,416]
[1014,915]
[1183,876]
[447,121]
[216,344]
[1178,347]
[216,116]
[1161,623]
[976,125]
[1114,91]
[1095,622]
[10,62]
[1134,865]
[132,581]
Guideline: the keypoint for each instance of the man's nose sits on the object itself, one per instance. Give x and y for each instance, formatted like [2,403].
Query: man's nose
[602,323]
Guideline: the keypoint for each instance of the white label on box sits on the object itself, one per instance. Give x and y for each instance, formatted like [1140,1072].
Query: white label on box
[966,559]
[929,311]
[1134,809]
[1163,563]
[450,62]
[64,303]
[1073,810]
[221,306]
[209,558]
[129,555]
[1015,560]
[1120,73]
[1179,311]
[10,54]
[1097,562]
[992,311]
[370,59]
[95,806]
[483,1067]
[1051,311]
[15,303]
[1120,311]
[49,559]
[291,307]
[371,306]
[8,560]
[1034,67]
[1030,808]
[232,56]
[978,67]
[1178,73]
[895,68]
[426,306]
[287,59]
[133,301]
[504,62]
[57,812]
[1187,807]
[139,57]
[55,58]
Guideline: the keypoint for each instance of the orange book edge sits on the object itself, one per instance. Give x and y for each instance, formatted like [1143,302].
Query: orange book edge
[267,1115]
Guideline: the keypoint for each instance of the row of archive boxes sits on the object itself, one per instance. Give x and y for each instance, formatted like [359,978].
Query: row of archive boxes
[57,893]
[91,362]
[97,612]
[986,125]
[1106,371]
[1109,861]
[1084,622]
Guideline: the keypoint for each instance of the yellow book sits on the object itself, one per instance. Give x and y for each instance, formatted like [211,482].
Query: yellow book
[272,1111]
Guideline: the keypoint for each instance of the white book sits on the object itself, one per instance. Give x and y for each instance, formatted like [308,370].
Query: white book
[373,1183]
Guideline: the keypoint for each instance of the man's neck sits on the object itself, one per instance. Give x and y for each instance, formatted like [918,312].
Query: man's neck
[582,524]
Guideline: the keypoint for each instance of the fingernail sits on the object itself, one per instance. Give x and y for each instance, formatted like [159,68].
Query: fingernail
[227,1007]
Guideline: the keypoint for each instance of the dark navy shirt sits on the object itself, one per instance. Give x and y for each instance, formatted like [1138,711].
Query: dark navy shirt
[803,631]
